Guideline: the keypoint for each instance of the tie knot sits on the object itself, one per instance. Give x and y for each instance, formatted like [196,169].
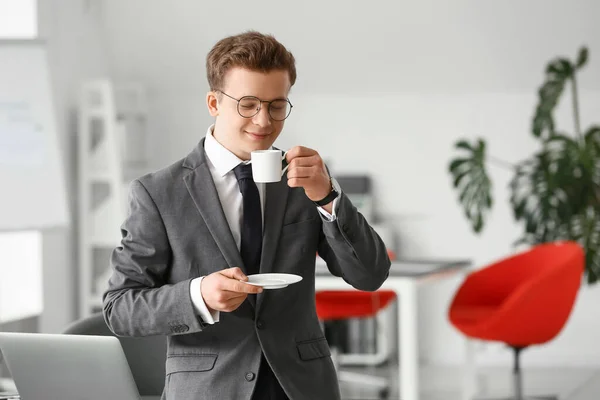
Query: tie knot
[243,171]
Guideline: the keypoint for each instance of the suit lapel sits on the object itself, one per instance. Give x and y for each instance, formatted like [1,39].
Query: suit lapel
[275,204]
[204,193]
[201,187]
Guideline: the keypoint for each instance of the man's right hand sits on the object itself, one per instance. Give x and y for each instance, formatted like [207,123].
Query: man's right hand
[223,291]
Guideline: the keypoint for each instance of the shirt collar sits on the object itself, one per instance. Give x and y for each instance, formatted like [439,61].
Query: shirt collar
[222,159]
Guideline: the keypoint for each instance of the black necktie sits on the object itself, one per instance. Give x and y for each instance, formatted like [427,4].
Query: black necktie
[252,219]
[267,386]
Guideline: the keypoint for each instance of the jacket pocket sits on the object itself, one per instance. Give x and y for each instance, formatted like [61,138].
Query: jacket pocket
[312,349]
[190,363]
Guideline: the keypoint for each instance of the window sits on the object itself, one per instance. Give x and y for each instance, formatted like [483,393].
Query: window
[20,252]
[20,265]
[18,19]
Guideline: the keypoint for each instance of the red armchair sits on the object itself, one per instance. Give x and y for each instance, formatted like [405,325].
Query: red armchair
[522,300]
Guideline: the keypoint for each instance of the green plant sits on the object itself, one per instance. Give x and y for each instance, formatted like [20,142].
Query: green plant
[555,193]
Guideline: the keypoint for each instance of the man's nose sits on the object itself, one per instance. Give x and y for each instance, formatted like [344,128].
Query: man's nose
[262,118]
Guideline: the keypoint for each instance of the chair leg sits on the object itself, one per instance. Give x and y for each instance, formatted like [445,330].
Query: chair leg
[377,382]
[517,376]
[382,385]
[383,351]
[335,357]
[518,380]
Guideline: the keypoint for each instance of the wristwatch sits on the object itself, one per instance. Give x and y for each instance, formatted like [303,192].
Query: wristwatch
[335,192]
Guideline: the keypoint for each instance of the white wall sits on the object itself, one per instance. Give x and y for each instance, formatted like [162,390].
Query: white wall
[385,88]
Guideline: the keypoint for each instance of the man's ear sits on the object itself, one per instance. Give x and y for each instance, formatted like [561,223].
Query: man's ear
[212,104]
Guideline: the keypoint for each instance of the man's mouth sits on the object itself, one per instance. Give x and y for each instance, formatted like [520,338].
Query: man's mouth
[257,135]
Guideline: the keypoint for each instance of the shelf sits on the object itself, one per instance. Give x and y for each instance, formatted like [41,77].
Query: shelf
[100,177]
[95,300]
[7,385]
[97,112]
[108,162]
[129,175]
[134,172]
[106,219]
[96,241]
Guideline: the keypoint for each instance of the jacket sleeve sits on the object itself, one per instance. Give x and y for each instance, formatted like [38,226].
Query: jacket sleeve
[138,302]
[352,249]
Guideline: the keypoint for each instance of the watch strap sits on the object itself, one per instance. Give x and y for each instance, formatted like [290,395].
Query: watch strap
[327,199]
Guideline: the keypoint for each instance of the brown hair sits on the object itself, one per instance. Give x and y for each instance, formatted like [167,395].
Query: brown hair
[250,50]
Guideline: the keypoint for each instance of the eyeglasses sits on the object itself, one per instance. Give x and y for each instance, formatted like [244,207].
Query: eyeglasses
[249,106]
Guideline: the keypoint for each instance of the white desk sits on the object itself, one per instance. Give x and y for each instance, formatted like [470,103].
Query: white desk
[404,278]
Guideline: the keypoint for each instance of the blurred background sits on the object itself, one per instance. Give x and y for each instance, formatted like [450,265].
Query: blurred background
[384,91]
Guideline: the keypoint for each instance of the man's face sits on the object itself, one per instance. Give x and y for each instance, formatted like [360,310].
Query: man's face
[242,135]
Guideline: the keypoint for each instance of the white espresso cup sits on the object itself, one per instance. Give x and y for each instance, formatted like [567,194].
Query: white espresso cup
[266,165]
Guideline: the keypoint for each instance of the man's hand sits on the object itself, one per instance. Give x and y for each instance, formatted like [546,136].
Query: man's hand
[307,170]
[223,291]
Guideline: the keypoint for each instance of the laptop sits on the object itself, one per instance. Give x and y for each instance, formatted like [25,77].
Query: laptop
[68,367]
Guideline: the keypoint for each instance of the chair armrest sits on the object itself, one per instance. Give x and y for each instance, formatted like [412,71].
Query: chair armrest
[541,307]
[484,287]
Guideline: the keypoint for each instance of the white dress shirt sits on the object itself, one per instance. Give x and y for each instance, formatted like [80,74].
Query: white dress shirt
[221,163]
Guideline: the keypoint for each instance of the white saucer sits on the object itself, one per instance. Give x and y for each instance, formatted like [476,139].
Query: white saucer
[273,281]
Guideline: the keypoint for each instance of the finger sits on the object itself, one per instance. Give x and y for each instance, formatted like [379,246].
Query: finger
[229,301]
[299,151]
[233,304]
[309,161]
[241,287]
[301,172]
[234,273]
[231,296]
[298,182]
[226,297]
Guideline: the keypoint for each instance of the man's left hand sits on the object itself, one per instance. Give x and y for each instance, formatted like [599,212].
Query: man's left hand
[307,170]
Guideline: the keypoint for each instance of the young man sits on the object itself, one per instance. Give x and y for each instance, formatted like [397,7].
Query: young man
[196,229]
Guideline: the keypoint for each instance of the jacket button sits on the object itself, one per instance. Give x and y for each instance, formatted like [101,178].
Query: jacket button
[260,325]
[250,376]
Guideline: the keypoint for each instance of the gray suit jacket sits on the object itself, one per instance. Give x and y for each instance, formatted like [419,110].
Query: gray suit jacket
[176,231]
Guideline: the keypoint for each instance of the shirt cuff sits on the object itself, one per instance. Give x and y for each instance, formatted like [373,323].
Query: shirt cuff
[329,217]
[199,304]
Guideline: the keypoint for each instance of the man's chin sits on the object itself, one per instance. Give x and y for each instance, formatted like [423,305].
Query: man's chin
[263,144]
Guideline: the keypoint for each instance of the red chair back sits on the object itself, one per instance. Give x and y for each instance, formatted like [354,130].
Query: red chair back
[342,304]
[523,299]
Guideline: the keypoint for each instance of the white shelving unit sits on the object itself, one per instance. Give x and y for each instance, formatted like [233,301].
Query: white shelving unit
[110,151]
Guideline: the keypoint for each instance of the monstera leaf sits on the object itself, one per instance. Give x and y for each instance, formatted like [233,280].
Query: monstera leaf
[540,195]
[557,74]
[472,182]
[591,217]
[585,229]
[592,141]
[555,193]
[582,57]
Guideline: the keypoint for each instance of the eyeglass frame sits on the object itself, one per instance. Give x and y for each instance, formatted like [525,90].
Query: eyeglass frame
[260,105]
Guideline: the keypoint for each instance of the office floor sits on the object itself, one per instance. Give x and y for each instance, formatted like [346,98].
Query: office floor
[443,383]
